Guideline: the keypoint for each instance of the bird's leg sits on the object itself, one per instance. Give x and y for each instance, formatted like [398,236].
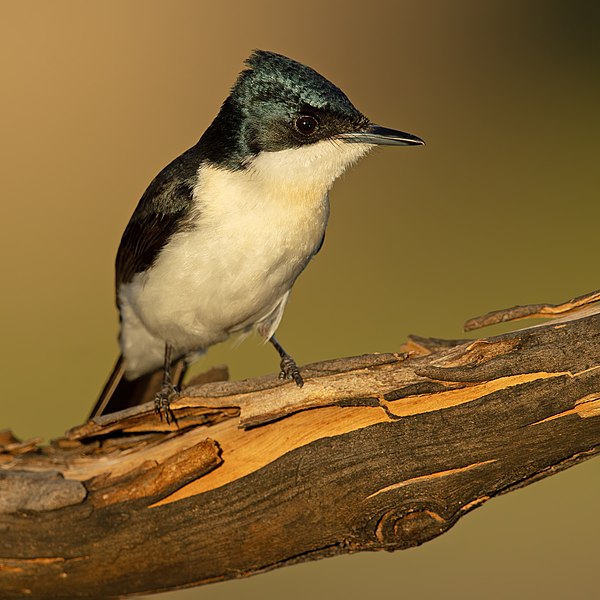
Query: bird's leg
[168,392]
[289,368]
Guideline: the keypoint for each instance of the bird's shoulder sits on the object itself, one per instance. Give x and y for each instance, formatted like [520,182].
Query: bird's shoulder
[163,210]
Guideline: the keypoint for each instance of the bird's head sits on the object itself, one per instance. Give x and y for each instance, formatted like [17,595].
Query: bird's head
[285,117]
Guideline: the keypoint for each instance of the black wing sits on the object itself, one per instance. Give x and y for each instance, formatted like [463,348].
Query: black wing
[163,210]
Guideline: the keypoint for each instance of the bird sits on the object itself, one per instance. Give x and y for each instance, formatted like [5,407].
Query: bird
[221,234]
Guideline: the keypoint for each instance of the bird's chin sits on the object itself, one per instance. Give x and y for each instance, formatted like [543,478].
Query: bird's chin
[315,165]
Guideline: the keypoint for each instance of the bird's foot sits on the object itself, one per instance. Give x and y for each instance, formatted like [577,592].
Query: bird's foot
[162,403]
[289,370]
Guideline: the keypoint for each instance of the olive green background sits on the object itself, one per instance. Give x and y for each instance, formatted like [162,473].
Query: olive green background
[499,208]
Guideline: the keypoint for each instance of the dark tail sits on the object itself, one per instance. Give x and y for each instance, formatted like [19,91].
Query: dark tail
[119,393]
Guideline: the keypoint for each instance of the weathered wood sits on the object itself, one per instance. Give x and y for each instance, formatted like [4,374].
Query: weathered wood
[534,311]
[375,452]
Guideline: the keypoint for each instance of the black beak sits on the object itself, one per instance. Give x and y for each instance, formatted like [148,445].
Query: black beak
[381,136]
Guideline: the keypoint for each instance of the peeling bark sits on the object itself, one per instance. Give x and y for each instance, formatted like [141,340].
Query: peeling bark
[381,451]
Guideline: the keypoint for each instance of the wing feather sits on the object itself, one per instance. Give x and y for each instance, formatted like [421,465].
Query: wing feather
[164,209]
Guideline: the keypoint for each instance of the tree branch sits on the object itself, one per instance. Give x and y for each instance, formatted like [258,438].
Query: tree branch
[381,451]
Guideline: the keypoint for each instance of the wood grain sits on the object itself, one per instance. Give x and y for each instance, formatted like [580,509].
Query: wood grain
[381,451]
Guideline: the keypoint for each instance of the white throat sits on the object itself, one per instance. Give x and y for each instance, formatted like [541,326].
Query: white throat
[309,170]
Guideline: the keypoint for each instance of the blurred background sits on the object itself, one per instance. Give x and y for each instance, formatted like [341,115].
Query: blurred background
[499,208]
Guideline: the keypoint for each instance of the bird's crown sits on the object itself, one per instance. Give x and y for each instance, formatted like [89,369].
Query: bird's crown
[273,77]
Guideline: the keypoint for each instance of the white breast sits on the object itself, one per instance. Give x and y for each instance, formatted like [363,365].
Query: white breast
[255,231]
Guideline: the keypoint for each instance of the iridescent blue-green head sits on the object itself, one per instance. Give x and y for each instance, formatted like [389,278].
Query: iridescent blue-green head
[279,104]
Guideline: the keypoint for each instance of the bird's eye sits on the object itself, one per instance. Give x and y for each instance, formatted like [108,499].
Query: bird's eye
[306,124]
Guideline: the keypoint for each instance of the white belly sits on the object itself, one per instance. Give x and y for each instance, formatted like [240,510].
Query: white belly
[231,272]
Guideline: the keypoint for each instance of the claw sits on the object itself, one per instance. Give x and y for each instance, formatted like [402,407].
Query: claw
[289,370]
[162,403]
